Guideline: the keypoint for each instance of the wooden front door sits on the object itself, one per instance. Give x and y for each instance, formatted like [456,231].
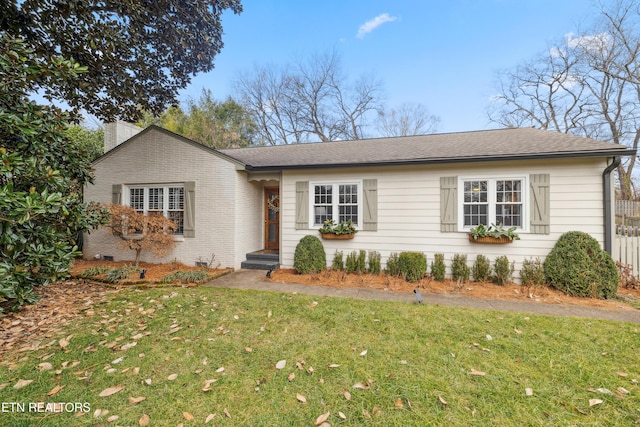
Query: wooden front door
[271,218]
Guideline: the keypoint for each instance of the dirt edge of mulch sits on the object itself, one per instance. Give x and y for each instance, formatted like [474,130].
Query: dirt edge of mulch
[628,299]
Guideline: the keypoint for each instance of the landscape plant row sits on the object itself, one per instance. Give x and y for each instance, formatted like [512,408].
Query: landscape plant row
[576,266]
[412,266]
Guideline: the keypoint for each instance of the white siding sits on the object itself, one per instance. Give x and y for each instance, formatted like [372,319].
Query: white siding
[409,209]
[226,221]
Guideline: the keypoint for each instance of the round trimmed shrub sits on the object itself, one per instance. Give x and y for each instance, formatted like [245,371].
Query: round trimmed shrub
[577,266]
[309,256]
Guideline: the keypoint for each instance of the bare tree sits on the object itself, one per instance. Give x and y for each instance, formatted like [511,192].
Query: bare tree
[588,85]
[408,119]
[308,101]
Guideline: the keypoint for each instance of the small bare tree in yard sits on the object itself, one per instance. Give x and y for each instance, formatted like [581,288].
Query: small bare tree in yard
[142,232]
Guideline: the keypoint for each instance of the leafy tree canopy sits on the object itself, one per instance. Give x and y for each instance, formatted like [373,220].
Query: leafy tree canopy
[216,124]
[41,178]
[138,54]
[90,142]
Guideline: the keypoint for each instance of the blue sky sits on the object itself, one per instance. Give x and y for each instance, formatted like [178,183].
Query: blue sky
[440,53]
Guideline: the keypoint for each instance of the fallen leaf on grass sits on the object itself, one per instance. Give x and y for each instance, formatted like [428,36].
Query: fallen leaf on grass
[347,395]
[594,402]
[209,418]
[22,383]
[134,400]
[64,342]
[187,416]
[219,370]
[441,400]
[55,390]
[45,366]
[113,418]
[361,386]
[622,390]
[172,377]
[111,390]
[144,420]
[363,352]
[292,376]
[528,391]
[398,403]
[342,415]
[281,364]
[301,398]
[333,365]
[313,304]
[100,412]
[227,413]
[322,418]
[477,373]
[622,374]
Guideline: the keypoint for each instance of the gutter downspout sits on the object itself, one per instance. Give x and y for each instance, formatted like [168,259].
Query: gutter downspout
[608,217]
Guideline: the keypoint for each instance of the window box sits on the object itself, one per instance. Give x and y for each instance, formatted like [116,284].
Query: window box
[332,231]
[333,236]
[493,234]
[490,240]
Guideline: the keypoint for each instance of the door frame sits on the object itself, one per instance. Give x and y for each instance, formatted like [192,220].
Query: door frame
[268,193]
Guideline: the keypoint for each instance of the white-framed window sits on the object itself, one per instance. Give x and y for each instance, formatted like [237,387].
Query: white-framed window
[166,200]
[493,200]
[338,201]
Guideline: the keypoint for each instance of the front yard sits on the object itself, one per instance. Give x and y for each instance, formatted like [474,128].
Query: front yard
[207,356]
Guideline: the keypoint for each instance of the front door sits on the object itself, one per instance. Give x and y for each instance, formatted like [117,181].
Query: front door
[272,218]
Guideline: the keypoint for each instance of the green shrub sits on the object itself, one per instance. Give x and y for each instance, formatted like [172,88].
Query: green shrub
[352,262]
[412,265]
[459,267]
[374,262]
[481,269]
[116,274]
[502,270]
[361,267]
[338,261]
[438,268]
[393,269]
[578,266]
[309,256]
[192,276]
[94,271]
[532,273]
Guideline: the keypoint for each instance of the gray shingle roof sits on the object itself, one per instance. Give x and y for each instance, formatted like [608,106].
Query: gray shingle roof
[486,145]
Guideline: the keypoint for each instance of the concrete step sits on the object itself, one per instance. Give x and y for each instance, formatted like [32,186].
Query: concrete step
[259,264]
[263,256]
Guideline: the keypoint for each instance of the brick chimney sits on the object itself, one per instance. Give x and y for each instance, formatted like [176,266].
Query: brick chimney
[118,132]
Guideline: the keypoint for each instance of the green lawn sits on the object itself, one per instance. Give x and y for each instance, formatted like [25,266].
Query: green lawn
[361,362]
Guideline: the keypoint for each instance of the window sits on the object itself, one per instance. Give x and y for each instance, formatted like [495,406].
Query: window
[339,202]
[493,201]
[160,200]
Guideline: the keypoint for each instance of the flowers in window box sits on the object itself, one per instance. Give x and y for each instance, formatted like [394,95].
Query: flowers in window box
[345,229]
[493,234]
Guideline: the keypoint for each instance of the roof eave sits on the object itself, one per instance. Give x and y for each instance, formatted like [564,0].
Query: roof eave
[452,160]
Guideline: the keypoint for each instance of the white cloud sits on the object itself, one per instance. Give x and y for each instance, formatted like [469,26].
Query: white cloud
[374,23]
[597,42]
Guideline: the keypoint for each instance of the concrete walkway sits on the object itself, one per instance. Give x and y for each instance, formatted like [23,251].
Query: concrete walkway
[255,279]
